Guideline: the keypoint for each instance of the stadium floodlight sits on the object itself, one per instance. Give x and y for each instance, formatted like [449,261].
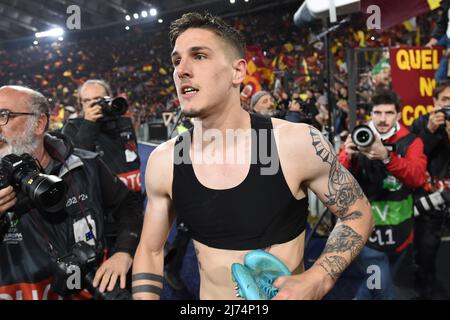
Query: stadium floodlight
[56,32]
[246,0]
[35,42]
[60,38]
[127,28]
[144,14]
[160,20]
[136,16]
[232,1]
[127,17]
[153,12]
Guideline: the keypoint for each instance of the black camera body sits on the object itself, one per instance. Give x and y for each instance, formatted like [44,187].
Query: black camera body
[46,192]
[363,136]
[82,261]
[445,110]
[113,107]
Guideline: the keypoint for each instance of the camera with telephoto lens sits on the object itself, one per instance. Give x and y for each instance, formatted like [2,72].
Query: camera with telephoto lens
[445,110]
[436,201]
[363,136]
[113,106]
[46,192]
[76,270]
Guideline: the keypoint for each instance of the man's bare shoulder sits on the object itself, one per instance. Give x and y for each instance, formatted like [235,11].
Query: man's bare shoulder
[159,170]
[296,135]
[162,155]
[303,149]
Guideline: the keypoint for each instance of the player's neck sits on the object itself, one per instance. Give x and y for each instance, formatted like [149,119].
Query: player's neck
[232,117]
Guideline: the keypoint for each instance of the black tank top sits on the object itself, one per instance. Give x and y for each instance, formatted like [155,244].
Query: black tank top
[258,213]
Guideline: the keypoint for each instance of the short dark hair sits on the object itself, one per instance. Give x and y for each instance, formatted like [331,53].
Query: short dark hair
[209,22]
[441,86]
[385,96]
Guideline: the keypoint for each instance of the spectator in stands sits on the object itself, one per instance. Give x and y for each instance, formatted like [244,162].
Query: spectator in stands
[262,103]
[299,111]
[388,177]
[323,115]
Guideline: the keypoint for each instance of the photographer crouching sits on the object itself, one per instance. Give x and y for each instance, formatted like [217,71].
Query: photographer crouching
[52,199]
[388,162]
[432,202]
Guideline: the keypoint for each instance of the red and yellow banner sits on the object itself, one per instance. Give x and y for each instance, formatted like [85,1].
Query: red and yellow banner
[412,70]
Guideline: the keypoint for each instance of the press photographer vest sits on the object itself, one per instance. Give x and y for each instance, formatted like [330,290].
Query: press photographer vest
[25,271]
[391,201]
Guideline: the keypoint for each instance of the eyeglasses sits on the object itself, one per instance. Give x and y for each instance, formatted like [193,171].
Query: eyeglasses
[6,114]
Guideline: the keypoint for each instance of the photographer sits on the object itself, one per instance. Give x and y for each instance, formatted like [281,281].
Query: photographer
[388,169]
[106,132]
[33,239]
[111,135]
[434,129]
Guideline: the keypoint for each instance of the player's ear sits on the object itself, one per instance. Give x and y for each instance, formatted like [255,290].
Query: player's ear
[239,71]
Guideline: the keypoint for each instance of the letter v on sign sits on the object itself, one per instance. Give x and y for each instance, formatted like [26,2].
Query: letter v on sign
[383,215]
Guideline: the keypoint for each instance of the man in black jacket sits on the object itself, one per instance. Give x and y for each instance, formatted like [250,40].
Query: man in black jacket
[112,136]
[434,129]
[32,238]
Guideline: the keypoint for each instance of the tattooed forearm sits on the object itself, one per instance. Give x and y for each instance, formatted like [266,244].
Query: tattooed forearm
[343,190]
[351,216]
[334,265]
[343,239]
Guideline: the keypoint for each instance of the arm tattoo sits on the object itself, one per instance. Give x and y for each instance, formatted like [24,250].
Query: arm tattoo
[149,288]
[334,266]
[343,239]
[351,216]
[343,190]
[147,276]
